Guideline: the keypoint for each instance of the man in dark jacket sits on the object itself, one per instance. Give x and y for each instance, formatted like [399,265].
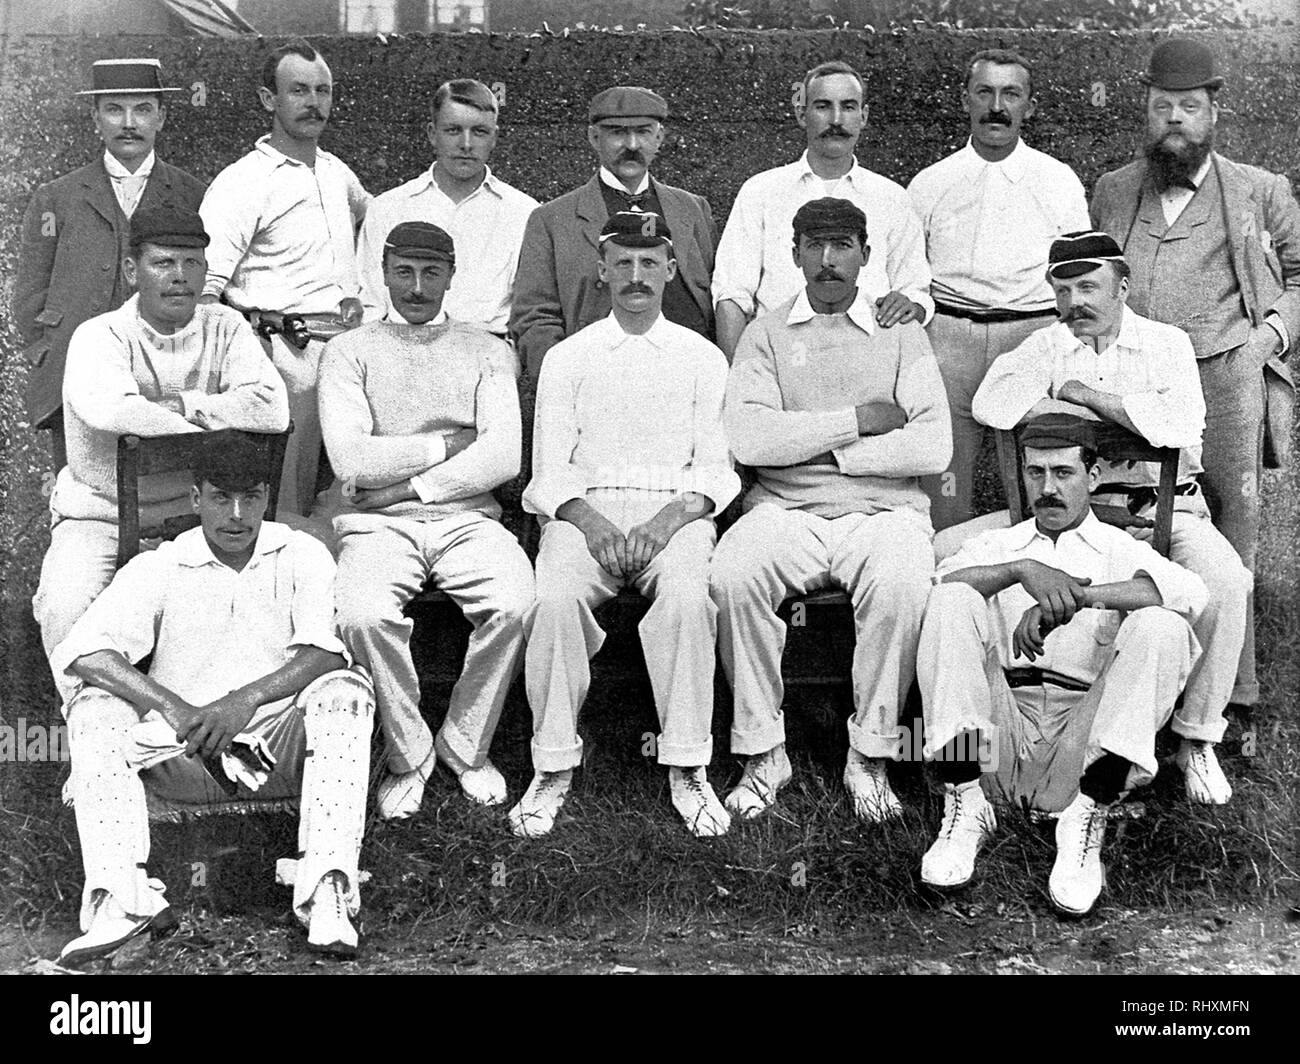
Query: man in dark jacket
[557,290]
[76,228]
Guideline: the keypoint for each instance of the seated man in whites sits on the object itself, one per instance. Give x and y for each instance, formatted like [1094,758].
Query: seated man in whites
[421,422]
[245,697]
[1101,360]
[630,466]
[159,364]
[840,417]
[1051,654]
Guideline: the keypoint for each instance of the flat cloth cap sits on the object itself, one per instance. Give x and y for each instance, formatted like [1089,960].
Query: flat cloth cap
[420,240]
[637,229]
[1079,253]
[1048,431]
[169,226]
[123,76]
[627,101]
[1181,64]
[829,213]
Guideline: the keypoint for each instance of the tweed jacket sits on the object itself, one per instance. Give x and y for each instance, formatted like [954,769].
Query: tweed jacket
[69,266]
[557,291]
[1263,234]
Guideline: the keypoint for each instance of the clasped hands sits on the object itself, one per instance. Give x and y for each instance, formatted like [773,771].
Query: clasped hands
[1058,597]
[627,555]
[207,730]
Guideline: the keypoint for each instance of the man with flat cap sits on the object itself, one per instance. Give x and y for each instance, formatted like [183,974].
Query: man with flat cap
[1214,246]
[421,423]
[1050,655]
[754,274]
[630,467]
[159,364]
[839,417]
[76,228]
[989,210]
[558,290]
[1104,361]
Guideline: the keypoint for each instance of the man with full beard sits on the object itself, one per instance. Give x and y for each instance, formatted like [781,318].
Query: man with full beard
[1214,247]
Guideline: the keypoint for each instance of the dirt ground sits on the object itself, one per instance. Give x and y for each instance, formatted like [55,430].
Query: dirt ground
[956,939]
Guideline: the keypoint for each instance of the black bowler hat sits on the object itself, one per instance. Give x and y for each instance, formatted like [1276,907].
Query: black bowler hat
[1179,64]
[420,240]
[829,214]
[119,77]
[168,226]
[1078,253]
[1049,431]
[637,229]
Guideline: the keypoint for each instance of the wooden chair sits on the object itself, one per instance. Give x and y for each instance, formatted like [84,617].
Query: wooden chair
[1114,443]
[142,456]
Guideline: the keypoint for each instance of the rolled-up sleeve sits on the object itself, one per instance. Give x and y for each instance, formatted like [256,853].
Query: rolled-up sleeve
[739,264]
[311,610]
[1181,590]
[124,618]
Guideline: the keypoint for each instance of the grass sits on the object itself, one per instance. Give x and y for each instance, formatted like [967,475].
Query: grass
[619,853]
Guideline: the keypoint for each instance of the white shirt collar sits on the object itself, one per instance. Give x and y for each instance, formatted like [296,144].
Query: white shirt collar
[806,171]
[1128,336]
[488,183]
[862,311]
[192,547]
[608,178]
[1013,166]
[657,334]
[263,144]
[119,172]
[1090,530]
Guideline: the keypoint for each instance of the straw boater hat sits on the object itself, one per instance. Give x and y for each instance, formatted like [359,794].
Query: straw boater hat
[117,77]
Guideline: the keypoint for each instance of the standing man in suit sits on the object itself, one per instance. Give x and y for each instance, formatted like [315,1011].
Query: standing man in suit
[76,229]
[557,288]
[1214,247]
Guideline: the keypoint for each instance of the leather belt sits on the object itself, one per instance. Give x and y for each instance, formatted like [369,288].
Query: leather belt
[1033,677]
[1142,496]
[991,317]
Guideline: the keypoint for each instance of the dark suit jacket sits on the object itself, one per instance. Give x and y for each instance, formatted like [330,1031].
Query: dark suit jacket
[557,291]
[1263,223]
[69,265]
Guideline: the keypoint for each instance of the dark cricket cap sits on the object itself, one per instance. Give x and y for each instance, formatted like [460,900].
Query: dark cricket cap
[627,101]
[829,214]
[637,229]
[168,226]
[1048,431]
[420,240]
[1079,253]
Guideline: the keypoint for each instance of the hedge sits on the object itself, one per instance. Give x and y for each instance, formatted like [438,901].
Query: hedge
[730,94]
